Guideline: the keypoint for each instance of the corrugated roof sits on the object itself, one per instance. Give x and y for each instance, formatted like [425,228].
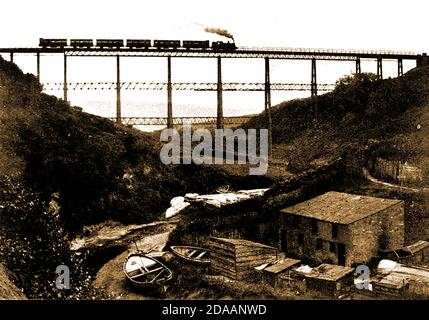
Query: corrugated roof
[342,208]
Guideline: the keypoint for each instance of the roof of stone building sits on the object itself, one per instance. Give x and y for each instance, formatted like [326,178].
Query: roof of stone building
[342,208]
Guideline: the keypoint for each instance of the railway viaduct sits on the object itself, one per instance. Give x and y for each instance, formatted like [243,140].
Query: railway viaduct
[267,54]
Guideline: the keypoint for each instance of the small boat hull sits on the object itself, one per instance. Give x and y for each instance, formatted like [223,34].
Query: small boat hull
[195,255]
[145,271]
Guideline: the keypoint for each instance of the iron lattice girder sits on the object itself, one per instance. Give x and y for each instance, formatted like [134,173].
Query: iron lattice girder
[180,120]
[210,54]
[184,86]
[244,52]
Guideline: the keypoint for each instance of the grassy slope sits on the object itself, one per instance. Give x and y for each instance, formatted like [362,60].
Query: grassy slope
[360,112]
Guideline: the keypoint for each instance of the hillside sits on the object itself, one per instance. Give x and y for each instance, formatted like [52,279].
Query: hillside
[363,116]
[81,159]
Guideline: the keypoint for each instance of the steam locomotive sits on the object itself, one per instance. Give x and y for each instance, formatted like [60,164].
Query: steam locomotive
[138,44]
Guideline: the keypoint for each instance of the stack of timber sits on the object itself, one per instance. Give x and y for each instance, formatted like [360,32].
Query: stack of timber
[414,280]
[392,285]
[237,259]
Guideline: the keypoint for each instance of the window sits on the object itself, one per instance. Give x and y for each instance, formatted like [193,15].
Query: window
[319,244]
[332,247]
[295,222]
[314,227]
[334,231]
[300,238]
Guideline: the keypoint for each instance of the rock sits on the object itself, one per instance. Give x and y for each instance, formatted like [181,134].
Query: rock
[116,235]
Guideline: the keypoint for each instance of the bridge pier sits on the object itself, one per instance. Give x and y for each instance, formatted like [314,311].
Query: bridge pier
[400,68]
[422,60]
[380,68]
[219,122]
[169,95]
[38,65]
[118,90]
[11,56]
[358,67]
[313,78]
[268,103]
[65,78]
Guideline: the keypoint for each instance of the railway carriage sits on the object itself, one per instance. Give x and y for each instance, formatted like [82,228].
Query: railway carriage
[109,43]
[138,44]
[52,43]
[196,44]
[81,43]
[166,44]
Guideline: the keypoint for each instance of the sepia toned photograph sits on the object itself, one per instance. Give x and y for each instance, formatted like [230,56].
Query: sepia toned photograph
[214,151]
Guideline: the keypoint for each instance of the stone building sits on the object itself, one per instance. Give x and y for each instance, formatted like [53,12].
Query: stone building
[341,228]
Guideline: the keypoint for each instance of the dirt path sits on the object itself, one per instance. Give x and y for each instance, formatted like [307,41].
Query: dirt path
[391,185]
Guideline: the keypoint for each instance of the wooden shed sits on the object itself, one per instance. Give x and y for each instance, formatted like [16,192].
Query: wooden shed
[416,254]
[237,258]
[328,278]
[271,274]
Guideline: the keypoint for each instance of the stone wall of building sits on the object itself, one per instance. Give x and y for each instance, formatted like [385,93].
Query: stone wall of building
[318,247]
[383,230]
[393,226]
[365,240]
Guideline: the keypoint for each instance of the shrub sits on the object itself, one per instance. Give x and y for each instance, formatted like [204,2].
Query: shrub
[33,243]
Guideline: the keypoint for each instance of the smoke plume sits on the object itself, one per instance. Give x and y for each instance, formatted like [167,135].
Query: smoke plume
[220,32]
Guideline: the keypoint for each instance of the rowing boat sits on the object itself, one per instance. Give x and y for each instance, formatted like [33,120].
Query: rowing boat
[146,271]
[195,255]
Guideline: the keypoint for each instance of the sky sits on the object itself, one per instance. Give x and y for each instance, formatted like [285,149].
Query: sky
[367,24]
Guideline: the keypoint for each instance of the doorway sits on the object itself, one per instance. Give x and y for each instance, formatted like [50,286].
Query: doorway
[341,253]
[283,241]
